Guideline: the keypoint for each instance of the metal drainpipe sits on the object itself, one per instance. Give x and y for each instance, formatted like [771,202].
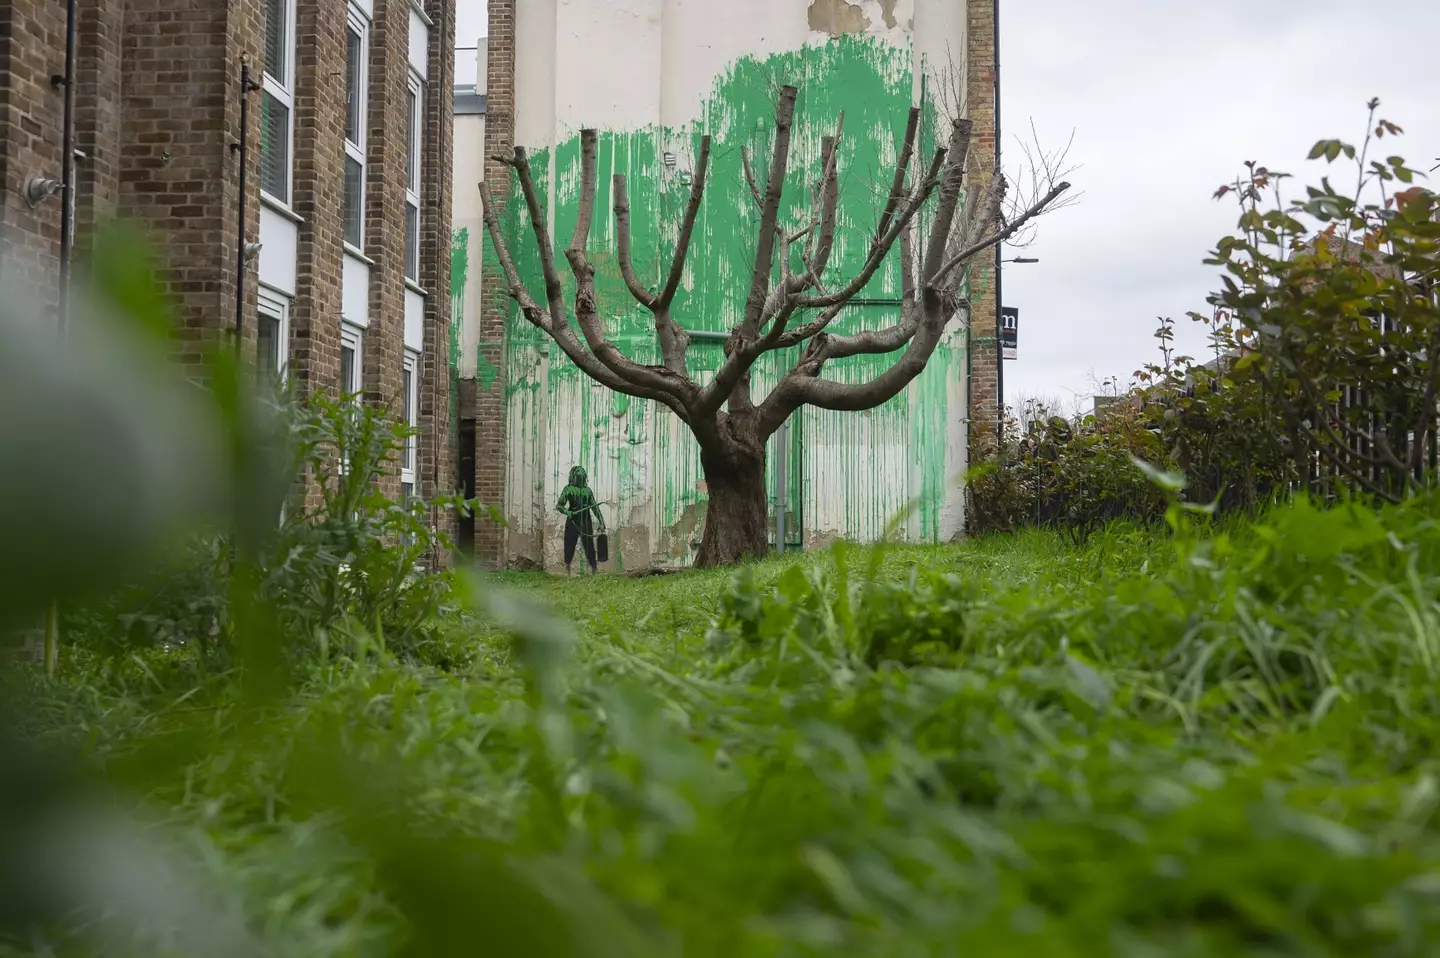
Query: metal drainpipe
[67,241]
[247,87]
[67,161]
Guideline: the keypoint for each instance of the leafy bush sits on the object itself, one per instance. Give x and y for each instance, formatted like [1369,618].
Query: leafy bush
[344,566]
[1075,477]
[1324,378]
[1342,326]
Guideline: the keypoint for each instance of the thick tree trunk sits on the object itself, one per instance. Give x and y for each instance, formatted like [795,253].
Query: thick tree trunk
[737,518]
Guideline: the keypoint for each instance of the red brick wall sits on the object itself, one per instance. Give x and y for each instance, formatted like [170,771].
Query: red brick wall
[99,80]
[178,174]
[155,112]
[158,113]
[490,418]
[32,49]
[318,196]
[982,111]
[437,418]
[385,209]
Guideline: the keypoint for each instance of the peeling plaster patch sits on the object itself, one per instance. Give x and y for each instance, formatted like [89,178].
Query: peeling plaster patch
[839,17]
[887,7]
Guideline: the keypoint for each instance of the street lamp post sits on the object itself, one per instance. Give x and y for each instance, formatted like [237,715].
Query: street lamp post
[1000,350]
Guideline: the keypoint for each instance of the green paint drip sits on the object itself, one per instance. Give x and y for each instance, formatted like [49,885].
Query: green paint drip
[852,473]
[486,372]
[459,262]
[459,275]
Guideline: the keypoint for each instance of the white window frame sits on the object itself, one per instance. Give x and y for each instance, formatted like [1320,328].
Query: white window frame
[360,23]
[414,182]
[277,307]
[410,458]
[282,88]
[354,337]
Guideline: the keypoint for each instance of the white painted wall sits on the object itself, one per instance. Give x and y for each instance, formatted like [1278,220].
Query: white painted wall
[419,42]
[414,320]
[467,170]
[355,291]
[279,238]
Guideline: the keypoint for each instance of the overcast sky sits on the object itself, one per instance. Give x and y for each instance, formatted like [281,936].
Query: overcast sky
[1166,99]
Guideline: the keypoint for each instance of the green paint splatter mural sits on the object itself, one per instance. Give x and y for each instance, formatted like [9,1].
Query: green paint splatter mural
[459,276]
[848,474]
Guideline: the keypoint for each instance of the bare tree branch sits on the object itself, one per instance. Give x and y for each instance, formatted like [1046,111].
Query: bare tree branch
[687,226]
[803,385]
[1011,229]
[673,340]
[623,245]
[560,332]
[770,211]
[817,256]
[750,177]
[750,347]
[902,170]
[880,248]
[554,291]
[517,289]
[587,314]
[799,334]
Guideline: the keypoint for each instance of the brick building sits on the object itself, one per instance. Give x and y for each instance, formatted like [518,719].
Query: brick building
[346,203]
[689,67]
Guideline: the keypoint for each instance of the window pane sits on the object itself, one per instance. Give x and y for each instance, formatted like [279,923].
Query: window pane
[275,30]
[354,202]
[407,492]
[267,348]
[354,99]
[275,148]
[412,146]
[347,370]
[407,413]
[412,243]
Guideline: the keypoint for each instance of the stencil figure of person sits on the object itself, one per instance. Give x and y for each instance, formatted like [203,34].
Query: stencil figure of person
[577,504]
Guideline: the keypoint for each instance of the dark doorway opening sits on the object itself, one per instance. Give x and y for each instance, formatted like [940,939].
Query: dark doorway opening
[466,464]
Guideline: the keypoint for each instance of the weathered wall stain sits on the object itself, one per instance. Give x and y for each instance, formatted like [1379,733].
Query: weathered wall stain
[839,17]
[848,475]
[887,10]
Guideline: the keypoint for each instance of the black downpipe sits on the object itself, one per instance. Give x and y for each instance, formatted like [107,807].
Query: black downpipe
[242,148]
[51,649]
[999,264]
[67,162]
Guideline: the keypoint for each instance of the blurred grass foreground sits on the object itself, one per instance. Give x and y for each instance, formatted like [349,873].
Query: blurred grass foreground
[273,732]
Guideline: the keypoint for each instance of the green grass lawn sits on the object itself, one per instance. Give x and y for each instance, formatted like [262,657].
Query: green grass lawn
[1148,744]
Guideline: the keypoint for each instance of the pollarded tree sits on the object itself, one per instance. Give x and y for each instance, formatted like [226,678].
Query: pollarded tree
[789,278]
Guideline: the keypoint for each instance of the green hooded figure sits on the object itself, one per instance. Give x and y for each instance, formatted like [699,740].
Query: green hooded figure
[577,504]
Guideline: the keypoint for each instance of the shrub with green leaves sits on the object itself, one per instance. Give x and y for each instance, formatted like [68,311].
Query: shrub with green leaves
[1336,298]
[1072,476]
